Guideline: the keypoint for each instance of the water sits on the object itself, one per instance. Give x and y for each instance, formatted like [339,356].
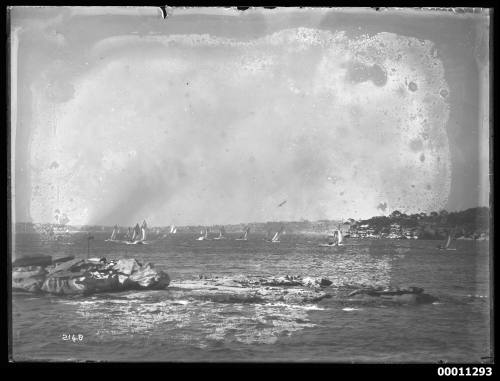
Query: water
[158,326]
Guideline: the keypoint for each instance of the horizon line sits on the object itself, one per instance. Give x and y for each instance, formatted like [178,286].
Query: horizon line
[256,222]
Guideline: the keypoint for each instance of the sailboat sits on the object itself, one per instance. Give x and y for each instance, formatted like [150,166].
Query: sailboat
[144,231]
[139,234]
[447,243]
[340,238]
[244,237]
[203,235]
[334,239]
[173,229]
[277,235]
[114,235]
[222,234]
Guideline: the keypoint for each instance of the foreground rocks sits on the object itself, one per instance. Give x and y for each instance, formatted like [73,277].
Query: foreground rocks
[289,289]
[70,276]
[87,276]
[243,289]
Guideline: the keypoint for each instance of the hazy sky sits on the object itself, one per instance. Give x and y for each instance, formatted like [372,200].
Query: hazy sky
[217,116]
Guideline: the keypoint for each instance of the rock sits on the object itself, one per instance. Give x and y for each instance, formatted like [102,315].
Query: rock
[42,260]
[96,260]
[248,290]
[71,265]
[316,282]
[79,276]
[126,266]
[95,282]
[282,281]
[33,284]
[408,295]
[415,290]
[148,277]
[28,279]
[364,291]
[62,259]
[29,271]
[65,284]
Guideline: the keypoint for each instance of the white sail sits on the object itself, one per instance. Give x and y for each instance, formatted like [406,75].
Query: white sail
[276,237]
[244,236]
[144,230]
[222,232]
[340,237]
[448,242]
[137,233]
[173,229]
[113,235]
[203,235]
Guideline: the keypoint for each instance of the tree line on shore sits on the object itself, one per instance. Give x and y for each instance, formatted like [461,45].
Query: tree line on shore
[469,223]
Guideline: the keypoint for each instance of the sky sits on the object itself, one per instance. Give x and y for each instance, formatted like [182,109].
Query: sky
[217,116]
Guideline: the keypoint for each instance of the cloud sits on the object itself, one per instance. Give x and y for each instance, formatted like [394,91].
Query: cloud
[203,129]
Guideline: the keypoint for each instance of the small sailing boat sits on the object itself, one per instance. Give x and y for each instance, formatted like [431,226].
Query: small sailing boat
[173,229]
[277,235]
[203,235]
[334,239]
[447,243]
[114,235]
[340,238]
[244,237]
[139,234]
[222,234]
[144,230]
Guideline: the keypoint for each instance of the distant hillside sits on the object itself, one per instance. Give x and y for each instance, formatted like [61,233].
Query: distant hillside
[471,223]
[435,225]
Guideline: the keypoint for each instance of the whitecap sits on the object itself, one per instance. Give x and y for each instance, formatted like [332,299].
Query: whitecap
[351,309]
[183,302]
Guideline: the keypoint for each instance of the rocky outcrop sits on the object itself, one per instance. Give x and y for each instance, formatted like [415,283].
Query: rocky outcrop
[62,259]
[406,295]
[41,260]
[289,289]
[79,276]
[243,289]
[89,276]
[281,281]
[29,278]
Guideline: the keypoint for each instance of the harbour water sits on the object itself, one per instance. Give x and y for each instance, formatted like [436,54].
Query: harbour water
[160,326]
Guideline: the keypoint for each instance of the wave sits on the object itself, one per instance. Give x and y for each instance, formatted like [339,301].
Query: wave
[348,309]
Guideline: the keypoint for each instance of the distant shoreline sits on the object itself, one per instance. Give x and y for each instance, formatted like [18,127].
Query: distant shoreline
[472,223]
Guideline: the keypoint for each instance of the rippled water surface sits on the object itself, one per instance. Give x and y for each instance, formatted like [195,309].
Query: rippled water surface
[158,326]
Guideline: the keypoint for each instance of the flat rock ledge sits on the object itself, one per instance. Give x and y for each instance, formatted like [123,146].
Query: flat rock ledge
[404,295]
[290,290]
[243,289]
[71,276]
